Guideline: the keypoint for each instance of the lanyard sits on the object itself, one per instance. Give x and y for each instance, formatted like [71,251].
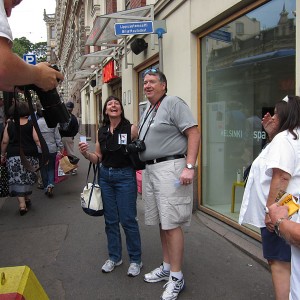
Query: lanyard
[150,111]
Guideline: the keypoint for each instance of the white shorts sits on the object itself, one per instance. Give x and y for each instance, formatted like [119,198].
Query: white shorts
[167,202]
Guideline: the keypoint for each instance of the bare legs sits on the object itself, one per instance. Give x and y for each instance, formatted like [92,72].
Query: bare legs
[173,246]
[281,272]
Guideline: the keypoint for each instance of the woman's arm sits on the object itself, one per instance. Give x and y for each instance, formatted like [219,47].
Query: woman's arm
[288,229]
[134,132]
[93,157]
[35,137]
[4,144]
[279,182]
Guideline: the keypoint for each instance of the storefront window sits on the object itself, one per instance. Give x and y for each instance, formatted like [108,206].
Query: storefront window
[247,66]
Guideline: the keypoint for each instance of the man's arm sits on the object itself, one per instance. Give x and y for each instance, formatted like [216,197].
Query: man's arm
[193,137]
[16,72]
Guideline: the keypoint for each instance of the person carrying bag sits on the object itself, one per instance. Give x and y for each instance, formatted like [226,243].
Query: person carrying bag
[118,185]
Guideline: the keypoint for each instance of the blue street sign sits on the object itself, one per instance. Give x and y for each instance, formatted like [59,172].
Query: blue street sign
[221,35]
[133,28]
[30,58]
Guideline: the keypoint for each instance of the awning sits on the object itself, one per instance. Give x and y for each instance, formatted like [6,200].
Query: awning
[80,75]
[103,29]
[103,32]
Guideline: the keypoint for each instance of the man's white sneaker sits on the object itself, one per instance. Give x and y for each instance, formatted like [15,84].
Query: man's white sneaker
[172,289]
[158,274]
[109,265]
[134,269]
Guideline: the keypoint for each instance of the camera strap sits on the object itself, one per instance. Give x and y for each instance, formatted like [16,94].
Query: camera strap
[151,110]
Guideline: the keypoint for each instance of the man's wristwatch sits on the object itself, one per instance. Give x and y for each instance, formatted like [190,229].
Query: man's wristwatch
[190,166]
[277,224]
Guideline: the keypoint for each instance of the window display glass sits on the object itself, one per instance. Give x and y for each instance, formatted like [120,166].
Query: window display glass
[247,66]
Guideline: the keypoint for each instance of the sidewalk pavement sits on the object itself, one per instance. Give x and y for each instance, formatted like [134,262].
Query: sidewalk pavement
[65,248]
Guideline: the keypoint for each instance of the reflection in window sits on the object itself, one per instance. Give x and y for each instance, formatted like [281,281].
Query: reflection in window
[248,66]
[239,28]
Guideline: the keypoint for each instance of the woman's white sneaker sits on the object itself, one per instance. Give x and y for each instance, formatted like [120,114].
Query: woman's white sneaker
[109,265]
[134,269]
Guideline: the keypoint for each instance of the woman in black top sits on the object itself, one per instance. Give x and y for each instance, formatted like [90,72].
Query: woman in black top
[21,180]
[117,180]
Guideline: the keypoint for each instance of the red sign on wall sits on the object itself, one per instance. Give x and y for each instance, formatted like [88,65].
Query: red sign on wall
[109,72]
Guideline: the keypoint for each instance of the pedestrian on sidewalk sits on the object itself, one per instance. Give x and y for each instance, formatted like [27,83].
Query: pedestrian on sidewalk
[54,144]
[117,180]
[172,142]
[68,131]
[21,180]
[276,169]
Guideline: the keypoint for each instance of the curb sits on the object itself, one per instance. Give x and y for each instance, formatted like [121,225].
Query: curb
[240,240]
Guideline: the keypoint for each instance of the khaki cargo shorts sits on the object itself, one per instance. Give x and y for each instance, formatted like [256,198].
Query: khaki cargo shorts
[167,202]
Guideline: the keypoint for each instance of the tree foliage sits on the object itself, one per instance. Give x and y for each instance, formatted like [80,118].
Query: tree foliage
[23,46]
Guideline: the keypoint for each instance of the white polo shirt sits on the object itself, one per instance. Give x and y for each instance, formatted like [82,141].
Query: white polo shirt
[5,30]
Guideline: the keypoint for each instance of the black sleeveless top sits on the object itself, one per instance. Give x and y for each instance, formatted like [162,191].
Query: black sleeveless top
[27,142]
[113,145]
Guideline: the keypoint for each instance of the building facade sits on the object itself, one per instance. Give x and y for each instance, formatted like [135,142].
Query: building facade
[230,60]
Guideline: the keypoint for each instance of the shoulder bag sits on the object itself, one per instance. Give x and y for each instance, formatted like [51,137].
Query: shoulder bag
[91,201]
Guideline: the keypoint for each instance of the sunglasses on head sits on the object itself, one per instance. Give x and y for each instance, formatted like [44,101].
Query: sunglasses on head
[150,71]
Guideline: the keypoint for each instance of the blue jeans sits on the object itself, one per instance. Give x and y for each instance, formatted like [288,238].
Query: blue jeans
[119,194]
[47,171]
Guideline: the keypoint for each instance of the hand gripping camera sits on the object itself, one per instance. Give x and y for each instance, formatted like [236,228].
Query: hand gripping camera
[54,110]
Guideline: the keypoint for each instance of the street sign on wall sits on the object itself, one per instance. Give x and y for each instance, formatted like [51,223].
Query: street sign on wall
[132,28]
[30,58]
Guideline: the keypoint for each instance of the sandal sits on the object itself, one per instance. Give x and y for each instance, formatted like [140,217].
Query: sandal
[49,191]
[23,210]
[28,203]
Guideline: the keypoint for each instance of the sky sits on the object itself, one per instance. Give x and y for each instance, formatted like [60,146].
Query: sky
[27,19]
[268,14]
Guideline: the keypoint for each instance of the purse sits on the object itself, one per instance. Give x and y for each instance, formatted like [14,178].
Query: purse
[66,165]
[4,191]
[91,201]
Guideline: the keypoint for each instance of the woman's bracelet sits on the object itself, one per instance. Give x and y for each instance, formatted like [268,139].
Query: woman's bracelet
[88,155]
[3,155]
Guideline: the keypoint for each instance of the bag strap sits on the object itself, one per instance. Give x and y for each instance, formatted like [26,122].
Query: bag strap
[95,169]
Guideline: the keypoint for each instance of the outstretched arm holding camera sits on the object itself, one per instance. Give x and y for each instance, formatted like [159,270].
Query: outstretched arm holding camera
[13,70]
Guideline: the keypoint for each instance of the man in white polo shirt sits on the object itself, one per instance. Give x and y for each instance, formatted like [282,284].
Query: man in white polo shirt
[13,70]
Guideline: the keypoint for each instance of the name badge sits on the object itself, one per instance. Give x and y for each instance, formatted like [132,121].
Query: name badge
[122,139]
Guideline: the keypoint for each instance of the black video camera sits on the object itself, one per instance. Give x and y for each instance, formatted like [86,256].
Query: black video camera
[136,146]
[54,110]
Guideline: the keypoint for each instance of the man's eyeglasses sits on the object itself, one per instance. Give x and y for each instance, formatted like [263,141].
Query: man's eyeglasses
[150,71]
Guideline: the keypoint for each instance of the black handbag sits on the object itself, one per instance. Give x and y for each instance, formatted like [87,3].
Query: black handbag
[4,191]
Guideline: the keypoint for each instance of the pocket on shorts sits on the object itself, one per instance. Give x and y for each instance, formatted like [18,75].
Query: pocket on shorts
[180,209]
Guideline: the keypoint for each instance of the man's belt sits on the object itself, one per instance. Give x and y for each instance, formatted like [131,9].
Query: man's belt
[161,159]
